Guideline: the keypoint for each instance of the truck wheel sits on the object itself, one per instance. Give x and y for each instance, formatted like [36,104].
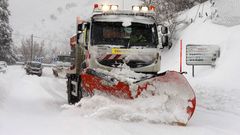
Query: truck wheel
[73,99]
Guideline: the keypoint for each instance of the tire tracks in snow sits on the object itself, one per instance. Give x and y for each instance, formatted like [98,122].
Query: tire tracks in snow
[30,94]
[55,88]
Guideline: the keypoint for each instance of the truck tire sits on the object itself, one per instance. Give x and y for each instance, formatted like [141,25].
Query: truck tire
[72,99]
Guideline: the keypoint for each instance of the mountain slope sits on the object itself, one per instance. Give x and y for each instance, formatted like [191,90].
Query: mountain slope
[216,88]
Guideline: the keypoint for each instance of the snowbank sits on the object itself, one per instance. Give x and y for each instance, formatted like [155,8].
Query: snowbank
[154,109]
[216,88]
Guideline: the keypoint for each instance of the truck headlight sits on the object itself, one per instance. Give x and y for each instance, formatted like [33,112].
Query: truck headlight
[136,8]
[105,8]
[144,9]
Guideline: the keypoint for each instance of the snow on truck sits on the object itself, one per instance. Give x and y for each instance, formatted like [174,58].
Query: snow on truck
[118,52]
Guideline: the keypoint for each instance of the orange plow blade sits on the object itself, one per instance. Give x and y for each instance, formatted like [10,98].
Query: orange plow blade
[177,95]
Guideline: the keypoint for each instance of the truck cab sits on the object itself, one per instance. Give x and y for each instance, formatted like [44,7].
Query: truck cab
[113,38]
[34,68]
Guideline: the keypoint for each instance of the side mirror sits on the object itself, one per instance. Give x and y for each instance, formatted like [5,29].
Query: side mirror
[81,27]
[164,30]
[81,33]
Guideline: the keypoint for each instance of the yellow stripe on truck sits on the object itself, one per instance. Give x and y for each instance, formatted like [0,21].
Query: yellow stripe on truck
[133,51]
[120,51]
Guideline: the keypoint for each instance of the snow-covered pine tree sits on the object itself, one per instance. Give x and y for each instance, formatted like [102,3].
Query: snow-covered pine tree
[6,53]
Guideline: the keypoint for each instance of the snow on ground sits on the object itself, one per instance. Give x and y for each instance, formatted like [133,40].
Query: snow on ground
[37,105]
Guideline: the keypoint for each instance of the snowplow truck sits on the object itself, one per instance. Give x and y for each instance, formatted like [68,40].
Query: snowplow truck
[118,52]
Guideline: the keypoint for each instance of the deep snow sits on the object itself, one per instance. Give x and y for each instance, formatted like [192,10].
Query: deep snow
[37,105]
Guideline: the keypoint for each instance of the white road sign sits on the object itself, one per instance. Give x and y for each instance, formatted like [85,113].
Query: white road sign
[202,54]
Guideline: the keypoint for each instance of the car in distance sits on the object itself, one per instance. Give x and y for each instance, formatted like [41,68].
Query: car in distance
[34,67]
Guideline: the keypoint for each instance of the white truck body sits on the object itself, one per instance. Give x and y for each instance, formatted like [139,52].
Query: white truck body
[123,37]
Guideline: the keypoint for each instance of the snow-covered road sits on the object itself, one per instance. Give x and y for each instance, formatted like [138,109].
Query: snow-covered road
[32,105]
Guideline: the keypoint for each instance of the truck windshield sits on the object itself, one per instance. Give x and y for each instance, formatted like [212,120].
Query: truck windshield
[113,33]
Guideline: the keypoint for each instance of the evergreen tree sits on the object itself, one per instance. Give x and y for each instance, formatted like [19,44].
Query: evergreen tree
[6,52]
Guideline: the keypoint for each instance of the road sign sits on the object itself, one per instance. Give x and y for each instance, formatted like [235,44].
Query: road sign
[202,54]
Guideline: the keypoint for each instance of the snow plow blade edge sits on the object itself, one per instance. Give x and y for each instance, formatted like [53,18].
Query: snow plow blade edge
[180,97]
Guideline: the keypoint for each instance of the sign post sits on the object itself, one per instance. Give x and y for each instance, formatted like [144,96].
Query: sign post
[192,70]
[181,56]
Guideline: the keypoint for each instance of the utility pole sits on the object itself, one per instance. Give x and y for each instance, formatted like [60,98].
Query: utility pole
[31,47]
[123,4]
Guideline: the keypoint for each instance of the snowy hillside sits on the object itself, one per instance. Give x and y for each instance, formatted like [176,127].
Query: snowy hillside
[220,84]
[203,31]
